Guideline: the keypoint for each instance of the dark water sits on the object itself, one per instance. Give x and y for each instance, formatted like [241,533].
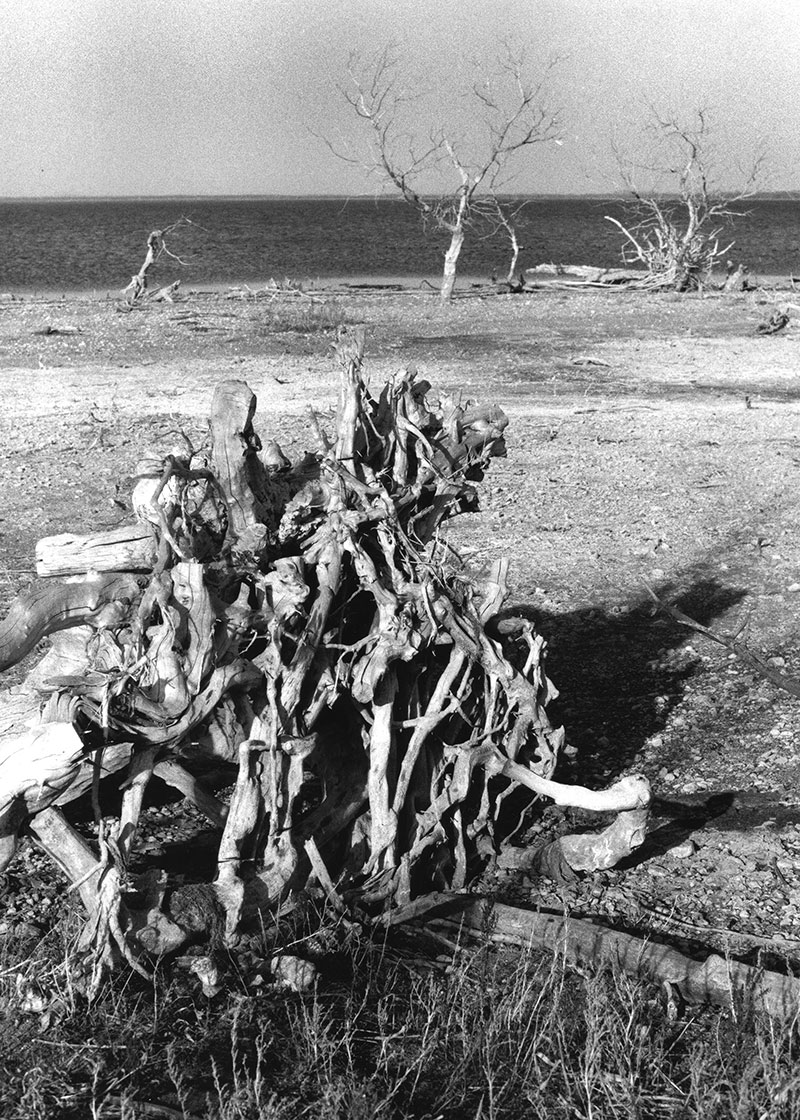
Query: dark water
[97,244]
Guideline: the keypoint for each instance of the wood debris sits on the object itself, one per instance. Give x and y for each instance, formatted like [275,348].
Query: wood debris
[296,624]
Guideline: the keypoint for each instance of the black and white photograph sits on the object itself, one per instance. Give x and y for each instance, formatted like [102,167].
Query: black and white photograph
[400,560]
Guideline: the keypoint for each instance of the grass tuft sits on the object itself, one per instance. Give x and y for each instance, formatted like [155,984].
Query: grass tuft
[485,1034]
[308,317]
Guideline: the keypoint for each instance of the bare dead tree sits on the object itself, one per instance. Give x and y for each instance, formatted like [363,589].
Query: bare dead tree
[507,214]
[678,220]
[506,105]
[137,290]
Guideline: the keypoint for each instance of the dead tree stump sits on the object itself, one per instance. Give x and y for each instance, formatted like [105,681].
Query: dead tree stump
[298,624]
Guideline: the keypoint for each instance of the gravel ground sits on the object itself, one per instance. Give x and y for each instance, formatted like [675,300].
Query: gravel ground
[651,438]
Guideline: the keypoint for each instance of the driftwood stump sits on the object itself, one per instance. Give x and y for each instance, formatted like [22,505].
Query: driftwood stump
[299,626]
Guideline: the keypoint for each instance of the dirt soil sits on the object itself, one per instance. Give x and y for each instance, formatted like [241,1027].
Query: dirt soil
[652,438]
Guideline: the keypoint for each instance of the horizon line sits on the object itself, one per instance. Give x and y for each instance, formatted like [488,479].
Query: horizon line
[334,196]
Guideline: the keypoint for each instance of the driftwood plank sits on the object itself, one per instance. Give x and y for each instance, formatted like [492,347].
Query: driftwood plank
[128,548]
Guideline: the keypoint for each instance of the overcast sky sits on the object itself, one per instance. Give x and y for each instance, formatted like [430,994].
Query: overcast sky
[104,97]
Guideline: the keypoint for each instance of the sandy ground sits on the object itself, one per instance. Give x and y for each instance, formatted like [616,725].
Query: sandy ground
[652,438]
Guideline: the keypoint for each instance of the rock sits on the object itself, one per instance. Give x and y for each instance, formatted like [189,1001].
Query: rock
[206,971]
[27,931]
[293,973]
[684,850]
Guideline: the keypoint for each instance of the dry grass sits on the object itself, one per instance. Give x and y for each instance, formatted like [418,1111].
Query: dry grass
[309,316]
[481,1035]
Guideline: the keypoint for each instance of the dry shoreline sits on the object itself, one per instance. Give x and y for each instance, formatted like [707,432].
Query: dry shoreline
[342,284]
[652,437]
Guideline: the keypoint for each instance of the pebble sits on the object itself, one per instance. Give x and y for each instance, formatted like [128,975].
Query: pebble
[684,850]
[27,931]
[293,973]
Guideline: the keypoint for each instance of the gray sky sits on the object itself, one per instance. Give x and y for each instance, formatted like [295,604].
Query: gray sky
[102,97]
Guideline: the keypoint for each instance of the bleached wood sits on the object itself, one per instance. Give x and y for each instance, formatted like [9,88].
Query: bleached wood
[46,607]
[630,792]
[179,778]
[587,945]
[129,548]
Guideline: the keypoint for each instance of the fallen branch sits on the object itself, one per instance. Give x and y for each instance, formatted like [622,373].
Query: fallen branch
[585,944]
[737,647]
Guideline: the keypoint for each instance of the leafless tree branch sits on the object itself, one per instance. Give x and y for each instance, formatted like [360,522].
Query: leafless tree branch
[513,119]
[678,220]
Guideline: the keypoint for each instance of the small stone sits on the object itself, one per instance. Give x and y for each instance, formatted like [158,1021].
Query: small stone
[294,973]
[27,931]
[793,587]
[206,971]
[684,850]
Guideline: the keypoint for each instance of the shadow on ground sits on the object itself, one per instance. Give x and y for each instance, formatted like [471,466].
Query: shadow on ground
[613,669]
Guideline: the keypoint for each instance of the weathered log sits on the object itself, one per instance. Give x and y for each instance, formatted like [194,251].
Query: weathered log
[582,276]
[585,944]
[129,548]
[240,836]
[47,607]
[38,761]
[71,852]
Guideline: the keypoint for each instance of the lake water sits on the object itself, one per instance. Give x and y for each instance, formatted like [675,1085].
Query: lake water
[97,244]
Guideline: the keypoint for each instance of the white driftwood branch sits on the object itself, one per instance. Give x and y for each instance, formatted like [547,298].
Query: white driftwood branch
[630,792]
